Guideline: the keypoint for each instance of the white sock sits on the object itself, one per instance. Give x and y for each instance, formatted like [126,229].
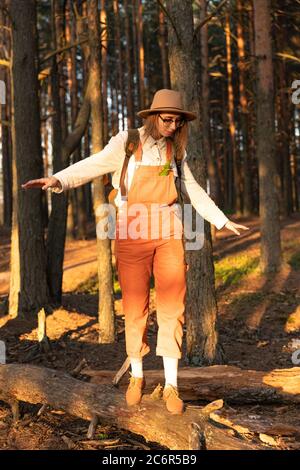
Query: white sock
[136,366]
[171,368]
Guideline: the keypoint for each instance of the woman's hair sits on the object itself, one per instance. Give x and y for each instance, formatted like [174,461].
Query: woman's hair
[179,138]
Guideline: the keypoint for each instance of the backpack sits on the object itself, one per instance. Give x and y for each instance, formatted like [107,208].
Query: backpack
[132,144]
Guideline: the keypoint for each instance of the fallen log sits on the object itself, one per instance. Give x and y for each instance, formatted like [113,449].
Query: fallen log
[231,383]
[192,430]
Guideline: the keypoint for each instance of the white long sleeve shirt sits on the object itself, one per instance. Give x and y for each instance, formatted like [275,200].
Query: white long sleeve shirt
[110,160]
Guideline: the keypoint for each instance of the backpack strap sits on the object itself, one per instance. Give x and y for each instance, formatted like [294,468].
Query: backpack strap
[178,179]
[132,145]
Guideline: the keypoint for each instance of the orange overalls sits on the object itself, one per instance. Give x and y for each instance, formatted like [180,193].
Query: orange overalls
[137,258]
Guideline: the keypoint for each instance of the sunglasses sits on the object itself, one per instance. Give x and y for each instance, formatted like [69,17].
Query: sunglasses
[168,121]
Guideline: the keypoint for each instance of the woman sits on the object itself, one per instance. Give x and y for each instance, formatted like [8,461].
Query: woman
[149,181]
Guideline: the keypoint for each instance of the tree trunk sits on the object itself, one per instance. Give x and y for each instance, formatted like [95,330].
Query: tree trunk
[140,48]
[163,48]
[252,117]
[130,68]
[119,58]
[58,217]
[284,119]
[228,186]
[193,430]
[247,191]
[104,44]
[5,119]
[28,266]
[73,226]
[201,307]
[6,152]
[232,384]
[269,207]
[45,145]
[135,55]
[88,187]
[105,274]
[214,183]
[84,192]
[294,168]
[235,202]
[114,112]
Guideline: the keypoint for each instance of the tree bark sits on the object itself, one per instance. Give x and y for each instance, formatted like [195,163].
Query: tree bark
[6,153]
[232,384]
[192,430]
[140,48]
[104,65]
[130,68]
[214,184]
[235,191]
[201,307]
[28,267]
[71,59]
[294,168]
[162,41]
[284,119]
[268,207]
[58,217]
[247,192]
[5,118]
[135,55]
[120,74]
[105,273]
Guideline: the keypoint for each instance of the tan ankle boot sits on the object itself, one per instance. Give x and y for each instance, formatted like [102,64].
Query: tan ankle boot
[173,403]
[135,390]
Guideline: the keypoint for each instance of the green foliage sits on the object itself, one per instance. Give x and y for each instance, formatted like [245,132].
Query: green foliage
[165,170]
[102,435]
[231,270]
[251,299]
[90,286]
[294,261]
[291,253]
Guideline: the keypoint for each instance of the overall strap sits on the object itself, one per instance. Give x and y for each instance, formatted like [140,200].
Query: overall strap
[169,150]
[133,143]
[138,153]
[178,179]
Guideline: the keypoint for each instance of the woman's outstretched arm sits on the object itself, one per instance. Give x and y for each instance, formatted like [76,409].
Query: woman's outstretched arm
[108,160]
[203,204]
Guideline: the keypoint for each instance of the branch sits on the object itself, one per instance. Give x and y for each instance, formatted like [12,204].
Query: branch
[209,17]
[66,48]
[74,137]
[171,20]
[63,49]
[5,123]
[47,116]
[5,62]
[284,55]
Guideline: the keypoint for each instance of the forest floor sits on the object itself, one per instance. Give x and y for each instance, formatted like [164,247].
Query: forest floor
[259,326]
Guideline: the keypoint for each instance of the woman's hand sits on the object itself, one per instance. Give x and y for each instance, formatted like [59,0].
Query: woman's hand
[233,227]
[44,183]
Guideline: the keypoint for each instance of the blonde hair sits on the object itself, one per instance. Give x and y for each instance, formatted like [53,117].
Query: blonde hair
[179,139]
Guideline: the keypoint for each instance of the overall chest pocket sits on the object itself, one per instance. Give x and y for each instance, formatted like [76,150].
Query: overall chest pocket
[149,187]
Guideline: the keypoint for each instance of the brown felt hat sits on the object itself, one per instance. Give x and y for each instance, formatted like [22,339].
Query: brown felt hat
[167,101]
